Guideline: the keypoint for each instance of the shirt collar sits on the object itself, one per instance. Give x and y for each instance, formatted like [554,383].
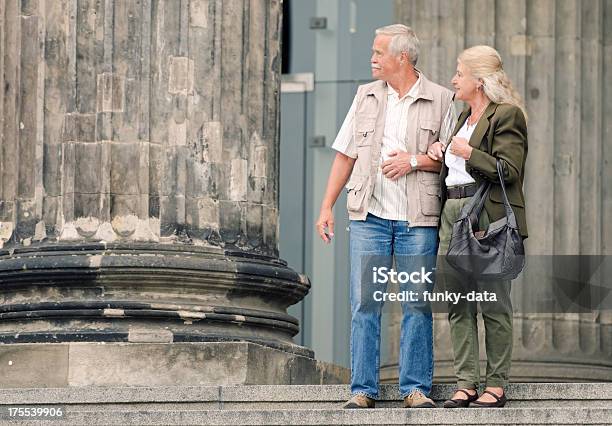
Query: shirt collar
[412,92]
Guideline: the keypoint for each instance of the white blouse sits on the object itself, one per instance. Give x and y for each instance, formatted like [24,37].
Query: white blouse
[456,165]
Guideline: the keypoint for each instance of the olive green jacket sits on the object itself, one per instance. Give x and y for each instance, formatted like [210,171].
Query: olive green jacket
[501,133]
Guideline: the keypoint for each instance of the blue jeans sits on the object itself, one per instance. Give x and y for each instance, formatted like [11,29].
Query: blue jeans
[374,243]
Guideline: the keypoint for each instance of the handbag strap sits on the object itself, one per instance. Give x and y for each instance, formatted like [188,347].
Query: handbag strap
[473,208]
[479,204]
[509,211]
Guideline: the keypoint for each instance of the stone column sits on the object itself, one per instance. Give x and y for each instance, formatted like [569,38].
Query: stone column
[557,54]
[139,178]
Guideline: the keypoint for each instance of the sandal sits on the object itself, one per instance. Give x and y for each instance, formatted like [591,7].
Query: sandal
[500,401]
[461,403]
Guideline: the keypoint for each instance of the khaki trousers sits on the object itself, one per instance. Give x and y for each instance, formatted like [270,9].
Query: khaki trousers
[497,316]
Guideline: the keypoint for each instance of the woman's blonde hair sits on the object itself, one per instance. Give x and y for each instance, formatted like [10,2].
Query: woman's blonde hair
[485,64]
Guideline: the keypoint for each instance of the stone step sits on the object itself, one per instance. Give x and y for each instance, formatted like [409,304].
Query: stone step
[293,396]
[387,416]
[530,403]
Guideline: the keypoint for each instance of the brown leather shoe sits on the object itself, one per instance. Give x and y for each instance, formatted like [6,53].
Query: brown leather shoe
[417,399]
[359,401]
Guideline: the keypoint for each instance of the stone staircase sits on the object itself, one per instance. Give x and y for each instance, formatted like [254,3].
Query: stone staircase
[541,404]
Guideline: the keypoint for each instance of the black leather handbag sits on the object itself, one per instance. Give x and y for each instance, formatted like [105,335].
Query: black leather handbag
[495,254]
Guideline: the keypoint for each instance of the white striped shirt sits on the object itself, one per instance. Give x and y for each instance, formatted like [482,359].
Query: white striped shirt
[389,197]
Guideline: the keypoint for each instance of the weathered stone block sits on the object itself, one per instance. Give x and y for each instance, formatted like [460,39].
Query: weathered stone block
[167,215]
[110,92]
[104,126]
[86,205]
[219,185]
[122,208]
[124,173]
[52,162]
[208,209]
[270,225]
[30,366]
[157,364]
[198,13]
[258,161]
[154,207]
[238,179]
[169,168]
[26,219]
[79,127]
[256,189]
[229,221]
[213,142]
[88,171]
[521,45]
[180,75]
[254,224]
[177,132]
[6,210]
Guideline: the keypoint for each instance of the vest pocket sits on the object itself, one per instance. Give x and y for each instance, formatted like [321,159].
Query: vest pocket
[357,188]
[429,130]
[429,193]
[364,137]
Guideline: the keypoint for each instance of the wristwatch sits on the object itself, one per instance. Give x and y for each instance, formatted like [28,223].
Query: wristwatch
[413,162]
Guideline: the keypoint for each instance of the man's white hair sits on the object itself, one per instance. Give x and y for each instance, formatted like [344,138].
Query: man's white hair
[403,39]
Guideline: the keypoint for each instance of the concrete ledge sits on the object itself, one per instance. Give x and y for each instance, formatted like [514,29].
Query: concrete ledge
[572,403]
[598,393]
[158,364]
[542,416]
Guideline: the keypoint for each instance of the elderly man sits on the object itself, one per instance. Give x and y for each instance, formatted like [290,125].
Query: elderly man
[393,206]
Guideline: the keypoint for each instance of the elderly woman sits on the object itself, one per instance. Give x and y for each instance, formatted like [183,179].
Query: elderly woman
[492,127]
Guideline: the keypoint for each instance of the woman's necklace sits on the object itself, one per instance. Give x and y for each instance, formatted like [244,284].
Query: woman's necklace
[475,117]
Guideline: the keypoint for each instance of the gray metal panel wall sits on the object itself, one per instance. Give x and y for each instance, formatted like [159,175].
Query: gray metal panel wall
[340,60]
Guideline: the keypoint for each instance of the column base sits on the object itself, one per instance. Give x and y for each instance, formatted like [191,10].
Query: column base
[159,364]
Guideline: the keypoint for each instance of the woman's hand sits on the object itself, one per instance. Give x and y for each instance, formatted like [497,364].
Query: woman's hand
[435,151]
[461,148]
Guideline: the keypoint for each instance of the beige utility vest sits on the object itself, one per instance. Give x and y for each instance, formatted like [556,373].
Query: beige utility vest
[425,117]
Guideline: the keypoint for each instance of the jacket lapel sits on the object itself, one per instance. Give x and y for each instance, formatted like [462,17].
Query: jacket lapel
[462,117]
[482,126]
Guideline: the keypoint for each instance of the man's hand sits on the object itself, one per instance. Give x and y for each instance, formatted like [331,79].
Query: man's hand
[397,166]
[325,225]
[436,150]
[461,148]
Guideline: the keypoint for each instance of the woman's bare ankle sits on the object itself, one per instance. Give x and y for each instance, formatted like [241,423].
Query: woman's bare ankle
[461,395]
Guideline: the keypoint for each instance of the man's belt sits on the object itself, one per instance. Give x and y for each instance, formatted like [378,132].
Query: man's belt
[461,191]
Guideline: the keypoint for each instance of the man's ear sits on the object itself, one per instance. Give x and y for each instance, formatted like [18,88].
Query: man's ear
[405,57]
